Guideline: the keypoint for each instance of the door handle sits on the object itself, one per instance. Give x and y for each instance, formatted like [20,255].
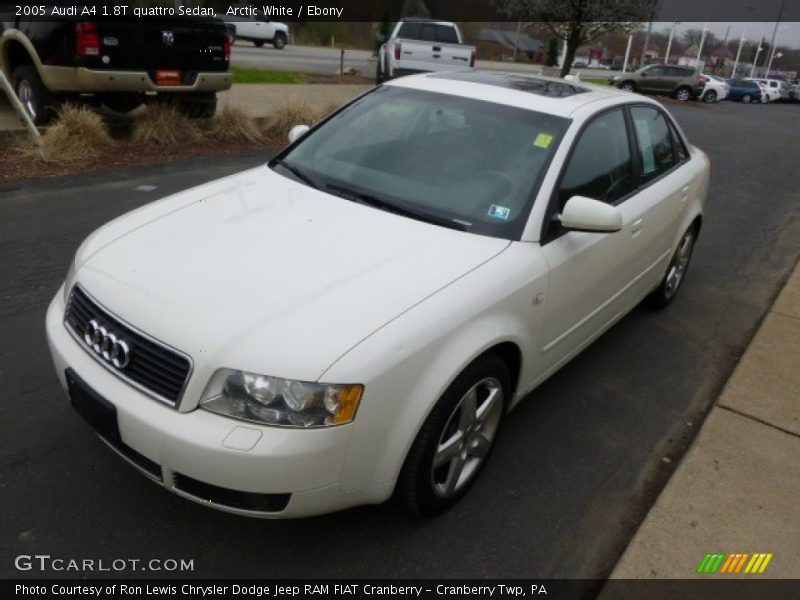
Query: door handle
[636,227]
[685,193]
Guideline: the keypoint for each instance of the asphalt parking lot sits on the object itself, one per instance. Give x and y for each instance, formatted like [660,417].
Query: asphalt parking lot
[578,464]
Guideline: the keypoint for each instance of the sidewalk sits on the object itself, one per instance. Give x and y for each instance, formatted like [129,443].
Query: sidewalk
[737,490]
[258,99]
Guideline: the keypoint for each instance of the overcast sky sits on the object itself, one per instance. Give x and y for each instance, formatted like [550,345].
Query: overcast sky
[788,32]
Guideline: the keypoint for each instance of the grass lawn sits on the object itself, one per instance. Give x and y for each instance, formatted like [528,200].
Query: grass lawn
[241,75]
[596,80]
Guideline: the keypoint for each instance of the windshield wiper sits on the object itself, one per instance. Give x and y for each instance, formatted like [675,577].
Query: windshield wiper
[376,202]
[297,172]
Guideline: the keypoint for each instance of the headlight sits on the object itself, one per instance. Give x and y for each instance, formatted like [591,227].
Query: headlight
[275,401]
[69,279]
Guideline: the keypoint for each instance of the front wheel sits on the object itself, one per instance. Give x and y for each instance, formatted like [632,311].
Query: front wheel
[628,86]
[456,439]
[710,97]
[676,271]
[683,94]
[280,41]
[746,99]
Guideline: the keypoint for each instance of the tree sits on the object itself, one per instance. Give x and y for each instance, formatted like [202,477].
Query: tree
[552,52]
[579,22]
[415,8]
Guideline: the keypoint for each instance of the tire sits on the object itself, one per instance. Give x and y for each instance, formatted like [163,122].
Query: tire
[39,103]
[746,99]
[665,293]
[627,86]
[279,41]
[198,105]
[460,439]
[683,94]
[710,97]
[258,43]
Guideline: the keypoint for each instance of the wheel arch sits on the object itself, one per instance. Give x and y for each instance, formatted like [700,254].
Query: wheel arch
[16,50]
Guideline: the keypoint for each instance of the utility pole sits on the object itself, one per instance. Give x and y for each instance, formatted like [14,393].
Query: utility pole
[669,43]
[774,34]
[646,42]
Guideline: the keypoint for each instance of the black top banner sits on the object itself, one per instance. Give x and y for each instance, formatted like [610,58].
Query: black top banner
[379,10]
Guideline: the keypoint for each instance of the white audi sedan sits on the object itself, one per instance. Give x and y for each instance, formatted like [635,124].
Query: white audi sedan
[355,319]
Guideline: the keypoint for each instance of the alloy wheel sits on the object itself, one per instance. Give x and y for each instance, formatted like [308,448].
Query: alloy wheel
[683,95]
[467,437]
[680,263]
[27,97]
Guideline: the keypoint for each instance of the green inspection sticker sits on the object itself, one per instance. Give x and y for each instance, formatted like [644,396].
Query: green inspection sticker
[543,140]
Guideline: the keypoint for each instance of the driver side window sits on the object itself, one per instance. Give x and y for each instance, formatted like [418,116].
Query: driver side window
[600,166]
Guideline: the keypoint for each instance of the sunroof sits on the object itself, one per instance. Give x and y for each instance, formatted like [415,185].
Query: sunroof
[512,81]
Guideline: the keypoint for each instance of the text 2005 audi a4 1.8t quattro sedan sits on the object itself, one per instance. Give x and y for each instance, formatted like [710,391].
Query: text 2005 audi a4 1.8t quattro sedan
[356,318]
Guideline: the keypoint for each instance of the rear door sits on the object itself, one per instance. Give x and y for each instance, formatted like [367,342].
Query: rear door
[653,79]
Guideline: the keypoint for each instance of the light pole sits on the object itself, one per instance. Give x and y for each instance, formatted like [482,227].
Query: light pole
[669,43]
[700,49]
[627,53]
[739,52]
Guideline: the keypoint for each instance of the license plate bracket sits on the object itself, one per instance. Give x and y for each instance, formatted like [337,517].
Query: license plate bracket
[168,77]
[96,410]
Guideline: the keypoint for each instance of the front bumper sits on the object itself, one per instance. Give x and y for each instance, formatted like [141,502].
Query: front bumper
[201,456]
[83,80]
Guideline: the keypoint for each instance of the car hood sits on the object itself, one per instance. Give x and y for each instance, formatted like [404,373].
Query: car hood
[259,272]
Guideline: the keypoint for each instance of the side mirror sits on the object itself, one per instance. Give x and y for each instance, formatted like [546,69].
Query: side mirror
[296,132]
[586,214]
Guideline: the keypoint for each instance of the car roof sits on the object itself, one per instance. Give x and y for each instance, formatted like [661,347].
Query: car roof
[549,95]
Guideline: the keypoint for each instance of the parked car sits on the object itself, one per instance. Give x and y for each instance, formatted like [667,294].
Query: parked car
[260,30]
[715,90]
[684,83]
[116,63]
[356,318]
[744,90]
[421,46]
[771,88]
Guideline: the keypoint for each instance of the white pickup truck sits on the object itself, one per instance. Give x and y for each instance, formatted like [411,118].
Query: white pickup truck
[260,30]
[420,46]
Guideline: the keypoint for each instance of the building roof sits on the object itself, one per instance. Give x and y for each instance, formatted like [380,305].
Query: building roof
[510,39]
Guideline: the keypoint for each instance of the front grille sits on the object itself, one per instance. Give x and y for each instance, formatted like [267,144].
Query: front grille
[232,498]
[153,367]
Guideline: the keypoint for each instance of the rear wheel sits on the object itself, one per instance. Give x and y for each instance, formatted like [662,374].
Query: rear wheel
[710,97]
[746,99]
[37,100]
[628,86]
[683,94]
[456,439]
[280,41]
[676,271]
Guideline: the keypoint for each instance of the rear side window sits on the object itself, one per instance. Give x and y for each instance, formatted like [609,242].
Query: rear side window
[600,166]
[656,151]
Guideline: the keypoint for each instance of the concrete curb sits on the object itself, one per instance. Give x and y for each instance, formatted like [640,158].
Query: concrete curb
[736,490]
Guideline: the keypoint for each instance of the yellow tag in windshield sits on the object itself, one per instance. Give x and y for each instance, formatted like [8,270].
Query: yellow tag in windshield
[543,140]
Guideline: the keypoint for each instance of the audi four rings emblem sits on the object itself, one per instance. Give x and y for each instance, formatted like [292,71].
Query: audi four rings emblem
[106,344]
[168,38]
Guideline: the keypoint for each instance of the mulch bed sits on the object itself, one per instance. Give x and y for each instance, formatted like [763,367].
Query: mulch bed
[17,165]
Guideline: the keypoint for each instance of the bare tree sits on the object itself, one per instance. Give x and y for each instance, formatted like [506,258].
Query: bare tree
[579,22]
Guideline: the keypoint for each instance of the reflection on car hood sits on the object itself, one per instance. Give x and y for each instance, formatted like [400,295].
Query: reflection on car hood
[271,270]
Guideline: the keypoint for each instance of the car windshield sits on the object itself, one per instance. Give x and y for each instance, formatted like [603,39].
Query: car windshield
[459,162]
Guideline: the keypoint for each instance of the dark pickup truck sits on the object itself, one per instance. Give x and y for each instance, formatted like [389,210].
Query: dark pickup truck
[117,63]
